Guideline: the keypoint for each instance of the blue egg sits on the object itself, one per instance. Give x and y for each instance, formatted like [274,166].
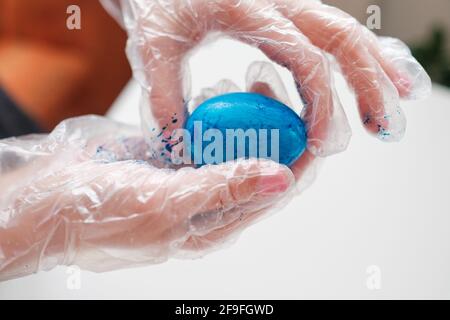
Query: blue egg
[237,125]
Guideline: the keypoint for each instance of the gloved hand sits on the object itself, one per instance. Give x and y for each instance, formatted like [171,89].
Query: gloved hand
[294,33]
[87,194]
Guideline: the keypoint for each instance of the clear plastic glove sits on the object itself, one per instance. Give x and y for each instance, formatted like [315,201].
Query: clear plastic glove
[296,34]
[88,194]
[262,78]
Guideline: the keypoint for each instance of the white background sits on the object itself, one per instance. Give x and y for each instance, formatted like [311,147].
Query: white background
[378,204]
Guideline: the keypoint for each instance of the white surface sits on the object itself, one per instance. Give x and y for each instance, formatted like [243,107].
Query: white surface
[375,204]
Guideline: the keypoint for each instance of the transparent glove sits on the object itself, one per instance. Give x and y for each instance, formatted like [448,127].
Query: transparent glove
[296,34]
[88,194]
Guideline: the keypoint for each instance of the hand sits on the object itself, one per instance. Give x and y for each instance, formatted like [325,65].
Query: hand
[87,194]
[293,33]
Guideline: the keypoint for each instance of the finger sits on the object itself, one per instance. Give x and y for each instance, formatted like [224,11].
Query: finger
[237,218]
[159,38]
[222,234]
[220,193]
[401,80]
[284,44]
[177,204]
[304,172]
[216,196]
[262,78]
[408,76]
[341,35]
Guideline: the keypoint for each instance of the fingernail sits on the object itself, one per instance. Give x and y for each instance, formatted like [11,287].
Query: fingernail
[404,86]
[414,84]
[274,183]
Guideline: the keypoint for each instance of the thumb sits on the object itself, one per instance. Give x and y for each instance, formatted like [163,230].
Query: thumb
[213,196]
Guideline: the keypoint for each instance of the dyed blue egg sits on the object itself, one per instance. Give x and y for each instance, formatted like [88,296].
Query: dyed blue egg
[245,125]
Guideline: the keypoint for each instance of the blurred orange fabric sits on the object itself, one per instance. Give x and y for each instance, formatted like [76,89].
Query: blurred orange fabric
[54,73]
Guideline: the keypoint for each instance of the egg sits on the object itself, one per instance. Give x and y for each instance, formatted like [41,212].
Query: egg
[244,125]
